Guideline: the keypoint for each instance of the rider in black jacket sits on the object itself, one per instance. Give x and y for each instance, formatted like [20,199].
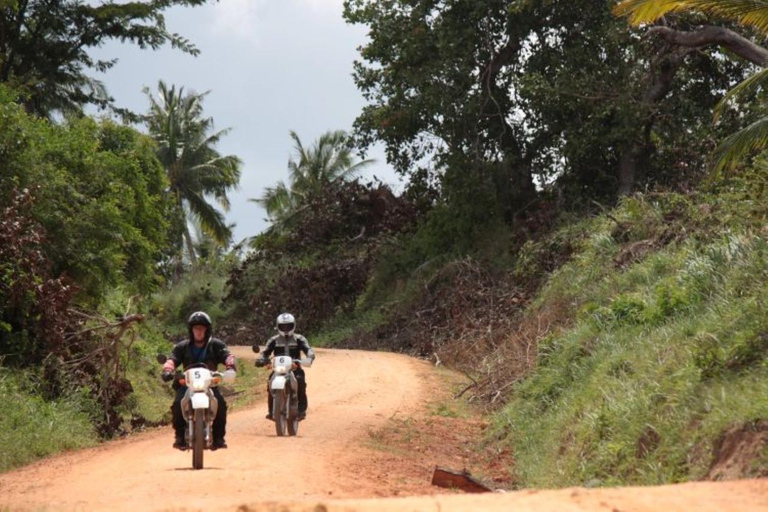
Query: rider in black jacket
[292,344]
[200,347]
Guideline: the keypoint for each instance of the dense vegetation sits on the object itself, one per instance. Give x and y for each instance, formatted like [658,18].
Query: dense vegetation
[577,236]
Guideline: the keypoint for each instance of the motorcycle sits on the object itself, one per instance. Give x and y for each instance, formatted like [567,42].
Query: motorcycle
[199,405]
[284,390]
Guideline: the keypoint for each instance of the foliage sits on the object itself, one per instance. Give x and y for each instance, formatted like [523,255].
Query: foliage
[85,210]
[748,14]
[42,329]
[321,263]
[328,164]
[201,289]
[100,199]
[33,314]
[664,352]
[44,46]
[32,427]
[187,149]
[558,93]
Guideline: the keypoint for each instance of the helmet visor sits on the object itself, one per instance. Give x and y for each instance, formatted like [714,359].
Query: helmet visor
[286,327]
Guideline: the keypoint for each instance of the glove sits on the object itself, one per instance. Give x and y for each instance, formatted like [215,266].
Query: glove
[260,363]
[167,376]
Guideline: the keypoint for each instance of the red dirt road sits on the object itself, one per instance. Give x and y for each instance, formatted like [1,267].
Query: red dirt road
[326,467]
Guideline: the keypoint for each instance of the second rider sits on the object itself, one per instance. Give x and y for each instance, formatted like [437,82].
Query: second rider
[288,343]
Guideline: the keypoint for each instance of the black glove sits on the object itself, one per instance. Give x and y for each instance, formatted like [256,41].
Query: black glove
[167,376]
[260,363]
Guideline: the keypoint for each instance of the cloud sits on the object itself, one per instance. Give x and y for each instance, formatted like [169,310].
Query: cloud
[237,18]
[324,6]
[248,19]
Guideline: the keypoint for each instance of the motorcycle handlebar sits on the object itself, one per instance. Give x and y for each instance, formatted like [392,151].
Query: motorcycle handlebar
[303,362]
[218,377]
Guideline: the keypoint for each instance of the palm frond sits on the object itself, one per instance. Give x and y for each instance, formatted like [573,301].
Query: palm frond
[741,144]
[751,85]
[328,161]
[211,220]
[753,13]
[275,200]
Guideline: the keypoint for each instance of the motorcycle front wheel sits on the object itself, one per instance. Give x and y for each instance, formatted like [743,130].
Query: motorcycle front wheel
[198,439]
[293,417]
[280,413]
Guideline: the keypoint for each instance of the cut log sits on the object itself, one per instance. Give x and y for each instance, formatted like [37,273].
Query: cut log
[454,480]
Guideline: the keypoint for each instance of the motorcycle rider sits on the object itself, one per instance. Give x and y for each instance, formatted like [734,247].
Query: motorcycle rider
[200,347]
[288,342]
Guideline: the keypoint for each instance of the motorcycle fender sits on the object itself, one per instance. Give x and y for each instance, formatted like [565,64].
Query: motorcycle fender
[278,382]
[186,407]
[200,401]
[214,405]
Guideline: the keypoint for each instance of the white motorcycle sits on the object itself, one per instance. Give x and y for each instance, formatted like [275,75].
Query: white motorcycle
[199,406]
[284,390]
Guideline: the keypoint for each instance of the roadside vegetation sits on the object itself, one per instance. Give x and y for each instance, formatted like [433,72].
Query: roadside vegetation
[582,233]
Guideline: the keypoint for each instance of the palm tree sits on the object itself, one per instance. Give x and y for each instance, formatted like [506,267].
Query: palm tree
[327,163]
[750,13]
[187,150]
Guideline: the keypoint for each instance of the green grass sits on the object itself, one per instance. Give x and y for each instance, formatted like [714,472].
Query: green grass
[345,326]
[662,357]
[200,290]
[31,428]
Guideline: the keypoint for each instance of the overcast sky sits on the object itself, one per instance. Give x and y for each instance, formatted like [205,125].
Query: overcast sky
[271,66]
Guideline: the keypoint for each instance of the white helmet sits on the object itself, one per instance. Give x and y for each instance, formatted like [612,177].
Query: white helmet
[286,324]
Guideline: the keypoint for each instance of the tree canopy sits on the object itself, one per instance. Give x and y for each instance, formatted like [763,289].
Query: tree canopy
[511,99]
[716,32]
[313,170]
[99,195]
[44,46]
[186,146]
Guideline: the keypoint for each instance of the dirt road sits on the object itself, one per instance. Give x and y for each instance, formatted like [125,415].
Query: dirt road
[351,394]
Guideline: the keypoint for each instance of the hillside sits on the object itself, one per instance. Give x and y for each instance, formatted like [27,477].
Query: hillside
[627,347]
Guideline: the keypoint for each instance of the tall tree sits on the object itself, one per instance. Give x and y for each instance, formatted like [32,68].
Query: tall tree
[752,14]
[502,95]
[327,163]
[186,143]
[99,194]
[44,46]
[438,77]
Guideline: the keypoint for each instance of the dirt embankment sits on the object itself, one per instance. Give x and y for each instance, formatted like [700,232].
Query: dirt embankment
[376,428]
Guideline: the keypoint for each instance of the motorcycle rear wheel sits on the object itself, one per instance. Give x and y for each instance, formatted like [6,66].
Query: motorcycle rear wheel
[198,439]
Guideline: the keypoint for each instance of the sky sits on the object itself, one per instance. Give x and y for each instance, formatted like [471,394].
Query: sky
[271,66]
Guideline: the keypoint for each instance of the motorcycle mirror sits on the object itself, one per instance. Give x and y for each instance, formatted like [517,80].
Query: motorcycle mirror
[256,348]
[161,358]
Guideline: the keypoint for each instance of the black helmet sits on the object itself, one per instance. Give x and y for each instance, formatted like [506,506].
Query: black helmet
[200,318]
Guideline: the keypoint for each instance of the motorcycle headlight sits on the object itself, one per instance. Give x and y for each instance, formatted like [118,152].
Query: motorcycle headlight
[198,385]
[282,365]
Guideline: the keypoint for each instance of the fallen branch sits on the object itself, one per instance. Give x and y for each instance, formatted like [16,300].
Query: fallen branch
[453,480]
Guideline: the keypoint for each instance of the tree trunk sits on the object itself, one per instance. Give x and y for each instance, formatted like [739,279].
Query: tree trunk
[629,165]
[190,245]
[662,74]
[185,231]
